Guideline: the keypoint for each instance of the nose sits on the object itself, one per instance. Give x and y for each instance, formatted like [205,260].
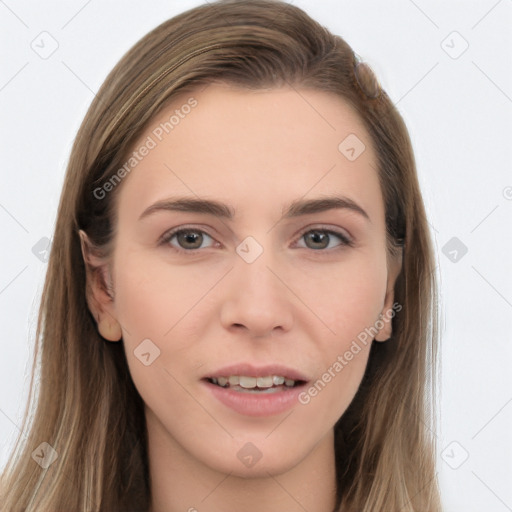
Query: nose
[258,302]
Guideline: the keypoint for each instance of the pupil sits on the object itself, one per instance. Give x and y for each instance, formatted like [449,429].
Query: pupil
[318,237]
[190,237]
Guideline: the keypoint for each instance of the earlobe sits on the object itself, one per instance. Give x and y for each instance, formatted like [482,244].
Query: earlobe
[99,300]
[110,329]
[384,323]
[384,326]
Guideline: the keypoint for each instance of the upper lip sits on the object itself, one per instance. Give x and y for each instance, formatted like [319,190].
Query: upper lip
[249,370]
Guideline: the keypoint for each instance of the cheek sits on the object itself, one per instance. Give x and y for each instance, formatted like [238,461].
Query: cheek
[328,396]
[348,300]
[172,308]
[161,310]
[346,297]
[153,297]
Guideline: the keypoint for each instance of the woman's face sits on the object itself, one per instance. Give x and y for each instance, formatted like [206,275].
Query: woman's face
[268,283]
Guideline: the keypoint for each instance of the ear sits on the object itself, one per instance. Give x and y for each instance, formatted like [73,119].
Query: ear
[98,290]
[388,312]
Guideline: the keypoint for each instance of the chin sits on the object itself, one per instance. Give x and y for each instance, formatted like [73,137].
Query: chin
[261,469]
[256,459]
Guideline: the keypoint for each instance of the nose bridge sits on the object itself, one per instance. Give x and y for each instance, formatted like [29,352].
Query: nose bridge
[259,280]
[253,262]
[257,299]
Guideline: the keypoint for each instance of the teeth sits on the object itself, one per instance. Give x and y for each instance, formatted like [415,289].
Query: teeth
[248,382]
[252,382]
[265,382]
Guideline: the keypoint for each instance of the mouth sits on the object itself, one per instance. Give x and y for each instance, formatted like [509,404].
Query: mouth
[249,384]
[256,391]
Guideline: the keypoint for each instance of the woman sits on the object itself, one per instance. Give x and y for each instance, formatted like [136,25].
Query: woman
[239,311]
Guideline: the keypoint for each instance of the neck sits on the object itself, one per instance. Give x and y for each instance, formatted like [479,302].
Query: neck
[181,483]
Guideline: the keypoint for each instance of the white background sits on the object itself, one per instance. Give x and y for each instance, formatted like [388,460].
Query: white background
[459,113]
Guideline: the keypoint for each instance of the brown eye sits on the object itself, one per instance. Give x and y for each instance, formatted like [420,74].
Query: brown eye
[317,239]
[186,239]
[324,239]
[190,239]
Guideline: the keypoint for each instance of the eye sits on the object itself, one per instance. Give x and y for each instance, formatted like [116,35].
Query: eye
[318,239]
[186,239]
[189,239]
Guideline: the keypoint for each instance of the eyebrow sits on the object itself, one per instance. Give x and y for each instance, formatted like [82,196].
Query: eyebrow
[216,208]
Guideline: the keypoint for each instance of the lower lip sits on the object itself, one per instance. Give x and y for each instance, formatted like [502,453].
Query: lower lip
[256,404]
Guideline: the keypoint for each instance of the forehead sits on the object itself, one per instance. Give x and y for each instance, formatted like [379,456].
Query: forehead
[243,146]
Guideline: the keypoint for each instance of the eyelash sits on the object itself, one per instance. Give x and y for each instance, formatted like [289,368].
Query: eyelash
[167,237]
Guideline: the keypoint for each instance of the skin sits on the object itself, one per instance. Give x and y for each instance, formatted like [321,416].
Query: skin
[295,305]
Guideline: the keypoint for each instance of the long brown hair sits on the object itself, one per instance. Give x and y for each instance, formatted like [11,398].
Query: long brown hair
[87,407]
